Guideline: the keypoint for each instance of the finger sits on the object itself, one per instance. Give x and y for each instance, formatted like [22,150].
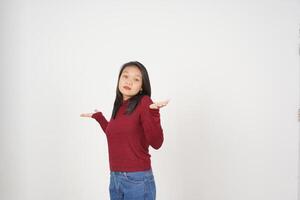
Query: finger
[86,114]
[163,102]
[162,105]
[167,101]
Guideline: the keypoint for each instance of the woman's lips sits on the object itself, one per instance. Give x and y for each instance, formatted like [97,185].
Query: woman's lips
[127,88]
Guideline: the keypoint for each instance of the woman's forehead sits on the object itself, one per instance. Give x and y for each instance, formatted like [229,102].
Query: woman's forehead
[132,70]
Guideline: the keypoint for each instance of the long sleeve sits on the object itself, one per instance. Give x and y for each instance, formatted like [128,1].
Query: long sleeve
[150,120]
[99,117]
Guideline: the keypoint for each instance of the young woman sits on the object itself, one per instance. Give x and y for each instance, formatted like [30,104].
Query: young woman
[133,127]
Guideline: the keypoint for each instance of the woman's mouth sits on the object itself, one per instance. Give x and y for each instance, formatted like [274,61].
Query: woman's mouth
[127,88]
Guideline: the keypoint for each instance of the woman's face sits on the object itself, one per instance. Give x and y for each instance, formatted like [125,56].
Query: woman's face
[130,82]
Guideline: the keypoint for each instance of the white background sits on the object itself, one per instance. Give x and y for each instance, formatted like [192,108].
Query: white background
[230,68]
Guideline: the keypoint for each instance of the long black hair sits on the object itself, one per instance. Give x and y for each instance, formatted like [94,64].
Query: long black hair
[133,101]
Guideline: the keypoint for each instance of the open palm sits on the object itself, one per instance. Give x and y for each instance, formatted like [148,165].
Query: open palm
[88,114]
[159,104]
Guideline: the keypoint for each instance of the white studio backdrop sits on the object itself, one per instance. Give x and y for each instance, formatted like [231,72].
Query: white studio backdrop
[231,70]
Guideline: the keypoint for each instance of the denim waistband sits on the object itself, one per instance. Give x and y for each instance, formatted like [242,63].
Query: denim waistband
[146,172]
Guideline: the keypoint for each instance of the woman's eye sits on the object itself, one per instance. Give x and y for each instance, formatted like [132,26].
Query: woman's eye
[137,79]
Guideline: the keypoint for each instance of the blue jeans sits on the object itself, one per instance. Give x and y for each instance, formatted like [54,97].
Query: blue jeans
[138,185]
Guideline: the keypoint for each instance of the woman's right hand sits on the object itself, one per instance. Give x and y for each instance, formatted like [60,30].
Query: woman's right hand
[89,114]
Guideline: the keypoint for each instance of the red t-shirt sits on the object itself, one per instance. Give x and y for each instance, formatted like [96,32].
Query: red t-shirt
[129,136]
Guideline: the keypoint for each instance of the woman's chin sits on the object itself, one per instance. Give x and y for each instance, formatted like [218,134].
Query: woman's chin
[129,94]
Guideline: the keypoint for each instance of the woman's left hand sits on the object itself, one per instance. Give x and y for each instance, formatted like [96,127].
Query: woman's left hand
[159,104]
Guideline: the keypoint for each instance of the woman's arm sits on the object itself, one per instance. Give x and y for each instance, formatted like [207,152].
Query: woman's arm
[99,117]
[150,120]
